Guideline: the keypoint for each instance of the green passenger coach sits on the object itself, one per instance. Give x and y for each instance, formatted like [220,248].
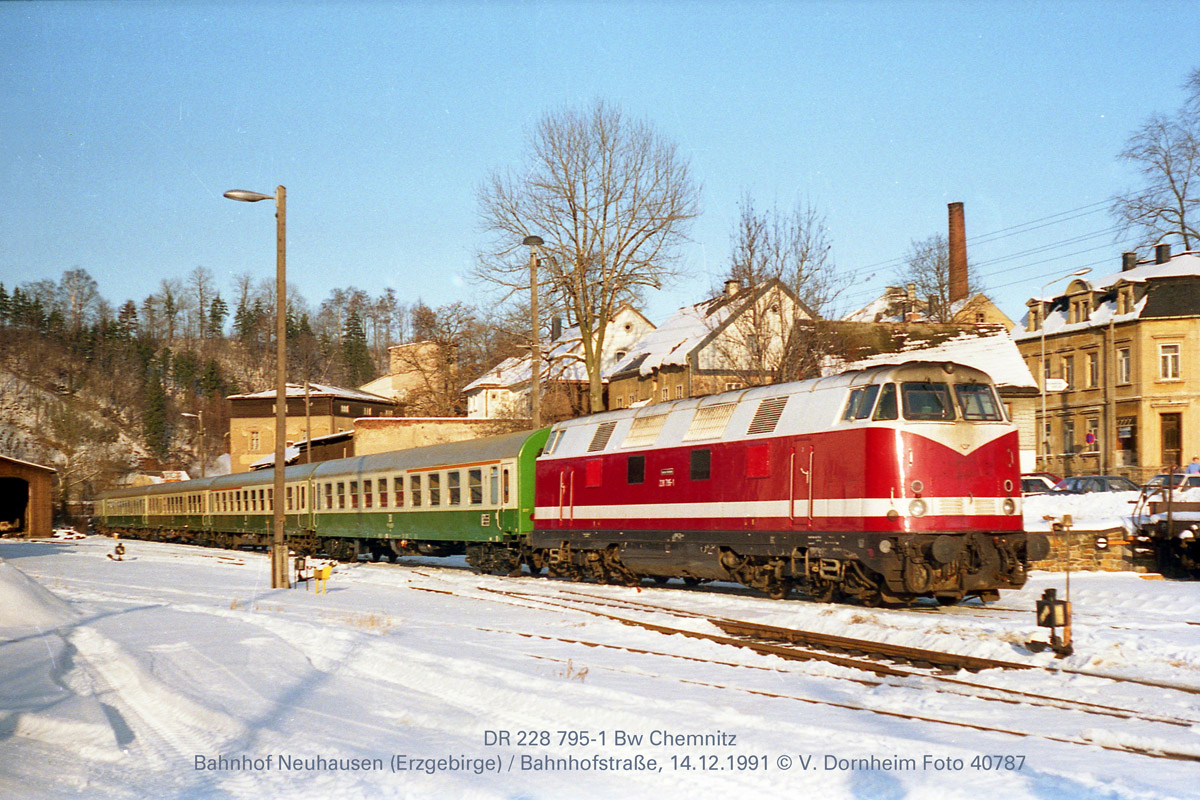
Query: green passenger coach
[473,497]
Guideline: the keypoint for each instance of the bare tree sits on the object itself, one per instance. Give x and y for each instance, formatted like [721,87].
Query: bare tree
[927,267]
[612,199]
[780,336]
[1166,151]
[200,283]
[80,298]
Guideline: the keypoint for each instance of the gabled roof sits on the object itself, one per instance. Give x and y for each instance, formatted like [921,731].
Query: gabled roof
[316,390]
[563,359]
[690,328]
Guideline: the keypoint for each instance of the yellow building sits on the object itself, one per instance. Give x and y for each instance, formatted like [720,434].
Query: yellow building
[1121,359]
[325,410]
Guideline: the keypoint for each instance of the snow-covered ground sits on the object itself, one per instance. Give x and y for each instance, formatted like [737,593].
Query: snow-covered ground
[177,674]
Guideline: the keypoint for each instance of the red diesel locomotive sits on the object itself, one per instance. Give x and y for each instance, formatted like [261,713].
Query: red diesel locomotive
[884,484]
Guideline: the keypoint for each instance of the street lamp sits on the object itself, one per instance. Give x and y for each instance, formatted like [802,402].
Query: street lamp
[199,417]
[279,563]
[1042,314]
[535,346]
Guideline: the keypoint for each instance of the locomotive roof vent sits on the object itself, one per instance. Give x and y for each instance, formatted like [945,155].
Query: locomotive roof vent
[766,417]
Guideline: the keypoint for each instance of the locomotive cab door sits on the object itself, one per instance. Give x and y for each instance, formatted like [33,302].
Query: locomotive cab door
[800,470]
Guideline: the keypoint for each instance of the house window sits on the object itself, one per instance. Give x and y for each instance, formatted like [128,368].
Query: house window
[733,386]
[1093,435]
[255,441]
[679,391]
[666,393]
[1093,370]
[1124,365]
[1068,436]
[1069,371]
[1168,361]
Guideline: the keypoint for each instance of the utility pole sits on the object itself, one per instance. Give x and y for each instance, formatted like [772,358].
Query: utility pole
[535,346]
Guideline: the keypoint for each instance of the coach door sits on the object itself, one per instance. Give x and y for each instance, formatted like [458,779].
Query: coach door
[800,469]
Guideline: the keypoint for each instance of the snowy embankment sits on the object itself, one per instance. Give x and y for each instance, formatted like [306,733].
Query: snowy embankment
[177,674]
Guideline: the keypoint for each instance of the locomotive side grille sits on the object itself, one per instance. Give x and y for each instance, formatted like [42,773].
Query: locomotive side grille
[767,416]
[709,422]
[600,438]
[645,431]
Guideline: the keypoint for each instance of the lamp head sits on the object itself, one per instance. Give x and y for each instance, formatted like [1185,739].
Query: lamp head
[247,197]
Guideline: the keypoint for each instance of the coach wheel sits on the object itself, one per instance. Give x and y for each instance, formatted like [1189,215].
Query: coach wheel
[872,598]
[661,580]
[947,600]
[780,590]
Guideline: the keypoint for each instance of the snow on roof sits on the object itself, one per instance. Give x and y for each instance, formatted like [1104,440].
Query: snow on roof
[316,390]
[290,453]
[563,357]
[1180,265]
[686,329]
[990,349]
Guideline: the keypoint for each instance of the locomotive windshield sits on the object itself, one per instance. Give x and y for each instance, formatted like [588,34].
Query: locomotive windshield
[926,401]
[978,402]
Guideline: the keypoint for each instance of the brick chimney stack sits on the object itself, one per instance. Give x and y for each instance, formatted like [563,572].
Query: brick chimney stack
[958,254]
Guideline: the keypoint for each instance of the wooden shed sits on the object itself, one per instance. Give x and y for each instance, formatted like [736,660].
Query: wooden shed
[25,498]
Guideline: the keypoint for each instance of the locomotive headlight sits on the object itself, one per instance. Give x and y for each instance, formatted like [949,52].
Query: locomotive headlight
[885,546]
[917,508]
[1010,506]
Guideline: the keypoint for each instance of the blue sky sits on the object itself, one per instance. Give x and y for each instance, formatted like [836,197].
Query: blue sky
[123,124]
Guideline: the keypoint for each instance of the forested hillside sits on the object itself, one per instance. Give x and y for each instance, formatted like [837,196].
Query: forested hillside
[96,390]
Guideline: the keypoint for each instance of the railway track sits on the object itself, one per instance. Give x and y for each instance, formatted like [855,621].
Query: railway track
[877,664]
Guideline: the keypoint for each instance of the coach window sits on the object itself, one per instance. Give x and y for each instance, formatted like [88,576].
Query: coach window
[494,481]
[368,494]
[701,468]
[887,403]
[435,488]
[635,469]
[398,485]
[383,493]
[303,498]
[354,494]
[475,486]
[328,497]
[414,490]
[453,481]
[926,401]
[505,487]
[290,500]
[341,495]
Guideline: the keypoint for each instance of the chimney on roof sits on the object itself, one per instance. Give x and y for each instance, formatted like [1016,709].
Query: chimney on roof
[1128,261]
[556,329]
[732,287]
[1162,253]
[910,303]
[958,254]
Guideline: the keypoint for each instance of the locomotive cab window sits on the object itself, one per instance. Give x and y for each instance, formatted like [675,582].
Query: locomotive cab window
[978,402]
[926,401]
[862,400]
[887,403]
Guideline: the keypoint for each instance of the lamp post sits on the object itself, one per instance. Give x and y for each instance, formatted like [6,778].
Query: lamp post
[535,345]
[200,450]
[1042,422]
[279,562]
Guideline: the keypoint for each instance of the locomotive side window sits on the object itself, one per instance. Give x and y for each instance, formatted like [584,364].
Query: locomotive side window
[887,403]
[978,402]
[552,442]
[701,466]
[926,401]
[635,469]
[862,400]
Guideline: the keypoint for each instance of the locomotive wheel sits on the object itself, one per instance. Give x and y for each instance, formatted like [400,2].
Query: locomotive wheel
[661,580]
[823,592]
[947,600]
[779,591]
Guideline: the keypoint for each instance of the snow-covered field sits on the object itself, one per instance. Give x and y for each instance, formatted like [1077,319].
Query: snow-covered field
[177,674]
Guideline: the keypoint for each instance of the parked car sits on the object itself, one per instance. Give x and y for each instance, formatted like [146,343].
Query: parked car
[1083,484]
[1050,476]
[1178,479]
[1036,484]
